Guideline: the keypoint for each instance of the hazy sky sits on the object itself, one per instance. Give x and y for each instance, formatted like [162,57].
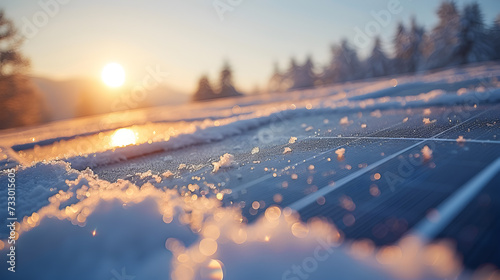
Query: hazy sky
[187,38]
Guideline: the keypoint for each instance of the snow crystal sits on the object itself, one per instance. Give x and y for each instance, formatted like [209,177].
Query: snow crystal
[405,119]
[344,121]
[428,121]
[287,150]
[226,161]
[255,150]
[460,139]
[292,140]
[426,153]
[182,166]
[427,112]
[193,187]
[146,174]
[340,153]
[167,174]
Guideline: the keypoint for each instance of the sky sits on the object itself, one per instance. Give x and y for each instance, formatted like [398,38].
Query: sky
[188,38]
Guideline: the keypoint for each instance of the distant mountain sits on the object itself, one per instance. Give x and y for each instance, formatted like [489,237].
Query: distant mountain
[71,98]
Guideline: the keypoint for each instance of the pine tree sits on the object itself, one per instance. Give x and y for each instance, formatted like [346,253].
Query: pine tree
[349,64]
[21,103]
[204,91]
[291,75]
[401,47]
[12,61]
[408,47]
[226,88]
[444,37]
[276,81]
[415,46]
[473,42]
[329,76]
[378,64]
[304,76]
[344,66]
[308,73]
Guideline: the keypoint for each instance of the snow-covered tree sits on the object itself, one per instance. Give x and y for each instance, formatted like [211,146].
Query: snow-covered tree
[473,42]
[344,66]
[276,80]
[378,64]
[304,76]
[444,37]
[329,72]
[226,88]
[204,91]
[401,46]
[408,47]
[291,75]
[415,43]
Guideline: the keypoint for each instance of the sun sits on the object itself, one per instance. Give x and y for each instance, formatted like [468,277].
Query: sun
[113,75]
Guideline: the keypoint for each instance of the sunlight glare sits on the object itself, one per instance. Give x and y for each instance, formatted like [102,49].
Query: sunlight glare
[113,75]
[123,137]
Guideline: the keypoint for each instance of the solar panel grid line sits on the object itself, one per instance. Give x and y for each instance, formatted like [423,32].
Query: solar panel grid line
[414,139]
[300,204]
[462,123]
[427,229]
[268,176]
[355,192]
[371,213]
[413,208]
[401,206]
[481,215]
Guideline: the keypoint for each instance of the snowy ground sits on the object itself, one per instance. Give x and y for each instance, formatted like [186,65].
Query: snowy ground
[383,179]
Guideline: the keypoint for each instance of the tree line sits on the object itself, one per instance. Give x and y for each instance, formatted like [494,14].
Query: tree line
[225,88]
[460,37]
